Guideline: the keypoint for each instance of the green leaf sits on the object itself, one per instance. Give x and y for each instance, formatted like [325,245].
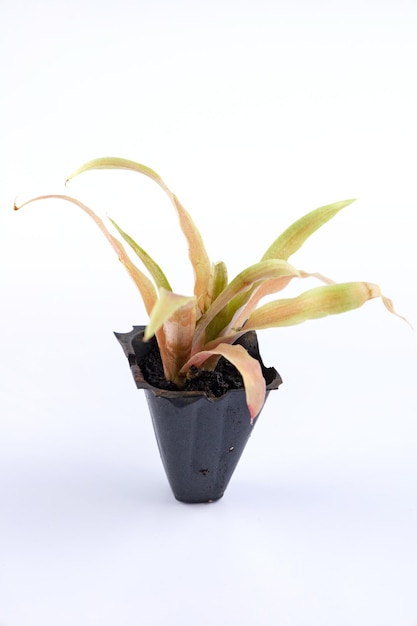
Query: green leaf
[315,303]
[249,368]
[264,270]
[293,238]
[106,163]
[260,291]
[152,267]
[218,281]
[196,249]
[265,289]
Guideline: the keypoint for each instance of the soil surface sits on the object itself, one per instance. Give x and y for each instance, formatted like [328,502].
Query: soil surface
[214,383]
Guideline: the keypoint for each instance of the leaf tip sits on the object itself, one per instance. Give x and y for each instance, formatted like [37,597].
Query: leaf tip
[255,408]
[148,334]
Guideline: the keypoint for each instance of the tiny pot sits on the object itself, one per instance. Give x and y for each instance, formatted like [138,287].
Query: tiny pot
[200,438]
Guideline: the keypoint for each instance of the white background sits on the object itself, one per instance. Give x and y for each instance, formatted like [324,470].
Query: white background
[254,113]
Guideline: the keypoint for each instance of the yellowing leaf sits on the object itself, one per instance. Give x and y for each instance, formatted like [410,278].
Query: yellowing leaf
[264,270]
[166,306]
[293,238]
[265,289]
[249,368]
[196,249]
[198,330]
[113,163]
[197,254]
[313,304]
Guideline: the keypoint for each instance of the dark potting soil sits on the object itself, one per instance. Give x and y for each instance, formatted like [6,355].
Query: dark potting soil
[214,383]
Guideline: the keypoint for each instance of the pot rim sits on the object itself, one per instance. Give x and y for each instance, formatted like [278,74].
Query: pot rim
[126,342]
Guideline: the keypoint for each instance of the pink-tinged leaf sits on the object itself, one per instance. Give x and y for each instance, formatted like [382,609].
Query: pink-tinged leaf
[249,368]
[197,255]
[141,281]
[265,289]
[243,282]
[231,338]
[315,303]
[293,237]
[175,316]
[390,306]
[166,306]
[318,275]
[196,249]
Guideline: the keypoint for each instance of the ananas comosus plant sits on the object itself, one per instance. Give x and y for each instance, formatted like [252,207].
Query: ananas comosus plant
[195,331]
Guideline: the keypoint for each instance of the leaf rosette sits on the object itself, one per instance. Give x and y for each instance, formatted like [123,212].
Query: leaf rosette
[195,331]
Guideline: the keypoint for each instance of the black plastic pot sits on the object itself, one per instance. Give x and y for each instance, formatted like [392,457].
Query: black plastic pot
[200,439]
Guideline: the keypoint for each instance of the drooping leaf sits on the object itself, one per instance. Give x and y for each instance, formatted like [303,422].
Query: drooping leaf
[293,237]
[112,163]
[315,303]
[260,291]
[249,368]
[318,275]
[198,330]
[265,289]
[141,281]
[196,249]
[153,268]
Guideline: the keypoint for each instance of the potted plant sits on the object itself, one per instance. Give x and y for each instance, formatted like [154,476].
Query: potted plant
[198,358]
